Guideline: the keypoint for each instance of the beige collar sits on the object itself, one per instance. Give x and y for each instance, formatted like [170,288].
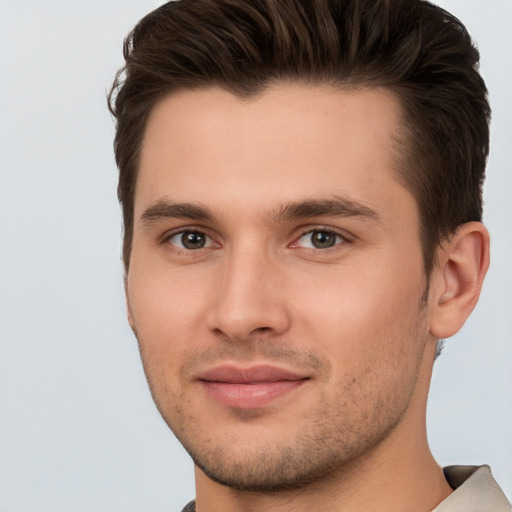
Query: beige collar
[475,491]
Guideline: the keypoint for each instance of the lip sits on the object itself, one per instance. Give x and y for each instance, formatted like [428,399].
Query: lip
[251,387]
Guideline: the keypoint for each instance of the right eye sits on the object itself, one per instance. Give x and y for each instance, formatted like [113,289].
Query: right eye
[191,240]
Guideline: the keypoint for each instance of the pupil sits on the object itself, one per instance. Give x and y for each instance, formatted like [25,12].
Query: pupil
[323,239]
[193,240]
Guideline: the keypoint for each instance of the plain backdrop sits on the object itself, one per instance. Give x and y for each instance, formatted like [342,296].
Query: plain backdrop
[78,429]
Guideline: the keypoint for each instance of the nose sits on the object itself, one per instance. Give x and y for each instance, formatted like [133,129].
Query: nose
[250,301]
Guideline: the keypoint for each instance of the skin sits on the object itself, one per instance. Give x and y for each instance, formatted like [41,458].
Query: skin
[255,179]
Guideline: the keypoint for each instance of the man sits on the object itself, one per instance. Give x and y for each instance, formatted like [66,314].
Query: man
[301,191]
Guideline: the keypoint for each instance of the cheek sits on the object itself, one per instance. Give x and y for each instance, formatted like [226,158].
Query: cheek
[361,311]
[167,316]
[164,301]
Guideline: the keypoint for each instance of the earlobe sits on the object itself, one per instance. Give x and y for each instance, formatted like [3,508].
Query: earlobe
[129,314]
[458,278]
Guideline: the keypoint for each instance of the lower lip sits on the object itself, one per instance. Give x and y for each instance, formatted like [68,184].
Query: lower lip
[250,396]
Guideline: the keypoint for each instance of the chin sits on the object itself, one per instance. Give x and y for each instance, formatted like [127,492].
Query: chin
[274,467]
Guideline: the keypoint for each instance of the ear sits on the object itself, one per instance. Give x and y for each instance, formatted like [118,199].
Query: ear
[456,282]
[129,313]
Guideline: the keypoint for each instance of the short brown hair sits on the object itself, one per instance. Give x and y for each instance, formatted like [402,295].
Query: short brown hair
[412,47]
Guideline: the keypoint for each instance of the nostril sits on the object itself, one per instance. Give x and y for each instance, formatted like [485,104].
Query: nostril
[262,329]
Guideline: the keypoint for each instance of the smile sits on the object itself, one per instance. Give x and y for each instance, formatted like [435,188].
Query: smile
[249,388]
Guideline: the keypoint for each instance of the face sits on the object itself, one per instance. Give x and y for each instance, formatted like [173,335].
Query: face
[276,280]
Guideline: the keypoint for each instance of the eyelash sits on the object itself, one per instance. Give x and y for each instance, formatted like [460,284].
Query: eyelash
[184,250]
[340,239]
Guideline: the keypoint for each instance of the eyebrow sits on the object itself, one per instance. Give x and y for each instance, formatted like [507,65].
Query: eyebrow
[335,206]
[163,210]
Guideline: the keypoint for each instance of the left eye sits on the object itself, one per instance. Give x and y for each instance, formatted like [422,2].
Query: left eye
[320,239]
[191,240]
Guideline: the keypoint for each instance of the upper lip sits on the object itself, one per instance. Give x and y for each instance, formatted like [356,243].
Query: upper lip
[246,375]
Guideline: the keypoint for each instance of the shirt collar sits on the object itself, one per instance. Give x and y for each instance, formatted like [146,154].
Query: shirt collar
[474,490]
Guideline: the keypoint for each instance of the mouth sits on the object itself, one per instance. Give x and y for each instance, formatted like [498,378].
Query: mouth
[249,388]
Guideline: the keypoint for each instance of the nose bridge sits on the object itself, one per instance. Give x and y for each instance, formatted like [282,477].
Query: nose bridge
[249,301]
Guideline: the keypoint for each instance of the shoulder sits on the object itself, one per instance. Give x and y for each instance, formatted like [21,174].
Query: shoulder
[190,507]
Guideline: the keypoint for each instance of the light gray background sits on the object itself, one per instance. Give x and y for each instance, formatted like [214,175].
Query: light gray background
[78,429]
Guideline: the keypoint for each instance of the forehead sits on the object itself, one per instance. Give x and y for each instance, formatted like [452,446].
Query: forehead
[287,143]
